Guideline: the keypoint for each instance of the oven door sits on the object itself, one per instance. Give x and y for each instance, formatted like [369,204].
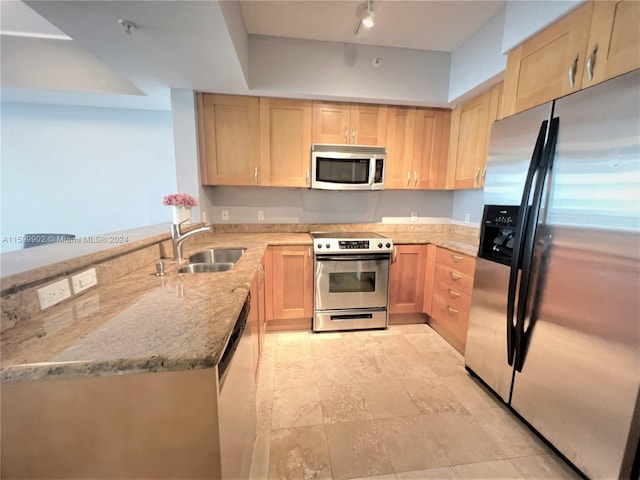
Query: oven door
[351,281]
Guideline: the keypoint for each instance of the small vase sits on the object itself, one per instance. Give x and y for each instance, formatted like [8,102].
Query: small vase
[181,214]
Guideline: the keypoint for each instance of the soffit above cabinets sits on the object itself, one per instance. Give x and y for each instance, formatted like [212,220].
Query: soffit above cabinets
[422,25]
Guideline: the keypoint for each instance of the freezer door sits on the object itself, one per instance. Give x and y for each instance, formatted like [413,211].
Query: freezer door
[512,145]
[486,349]
[580,377]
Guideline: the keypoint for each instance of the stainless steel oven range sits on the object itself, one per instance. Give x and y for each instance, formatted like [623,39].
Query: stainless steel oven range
[351,286]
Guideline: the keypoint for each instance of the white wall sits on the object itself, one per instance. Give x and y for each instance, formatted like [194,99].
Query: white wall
[524,19]
[83,170]
[297,205]
[185,142]
[467,202]
[478,61]
[305,68]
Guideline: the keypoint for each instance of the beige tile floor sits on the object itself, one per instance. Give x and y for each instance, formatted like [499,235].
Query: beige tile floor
[385,405]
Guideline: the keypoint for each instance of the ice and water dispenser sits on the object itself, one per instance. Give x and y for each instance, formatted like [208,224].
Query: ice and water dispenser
[497,236]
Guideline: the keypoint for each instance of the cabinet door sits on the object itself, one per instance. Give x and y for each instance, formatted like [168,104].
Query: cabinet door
[292,282]
[468,145]
[495,107]
[406,279]
[368,124]
[614,41]
[401,124]
[541,68]
[331,122]
[285,142]
[431,148]
[230,139]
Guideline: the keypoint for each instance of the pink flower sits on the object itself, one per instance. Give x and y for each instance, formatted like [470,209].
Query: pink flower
[180,200]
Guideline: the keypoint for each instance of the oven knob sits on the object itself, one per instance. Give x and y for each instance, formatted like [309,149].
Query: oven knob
[319,245]
[328,245]
[388,245]
[380,245]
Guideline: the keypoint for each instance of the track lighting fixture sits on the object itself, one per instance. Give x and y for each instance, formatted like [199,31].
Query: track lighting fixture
[364,16]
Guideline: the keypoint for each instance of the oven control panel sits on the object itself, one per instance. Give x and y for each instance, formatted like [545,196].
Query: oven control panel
[350,244]
[345,246]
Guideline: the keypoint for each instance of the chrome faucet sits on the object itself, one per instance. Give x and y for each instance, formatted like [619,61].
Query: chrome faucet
[179,238]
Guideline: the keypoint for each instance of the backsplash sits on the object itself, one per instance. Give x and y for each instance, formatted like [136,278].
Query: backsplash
[298,205]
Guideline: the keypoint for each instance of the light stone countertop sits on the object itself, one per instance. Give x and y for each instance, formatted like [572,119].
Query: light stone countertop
[145,323]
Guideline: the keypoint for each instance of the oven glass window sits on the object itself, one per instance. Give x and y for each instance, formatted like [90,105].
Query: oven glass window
[352,282]
[342,170]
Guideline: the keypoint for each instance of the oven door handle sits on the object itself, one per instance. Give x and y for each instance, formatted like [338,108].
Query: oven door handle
[340,258]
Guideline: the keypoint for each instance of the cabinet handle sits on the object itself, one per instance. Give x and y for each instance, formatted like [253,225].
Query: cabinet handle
[307,178]
[572,72]
[255,174]
[591,62]
[457,258]
[415,178]
[395,255]
[477,175]
[453,293]
[484,173]
[408,178]
[353,136]
[455,275]
[346,134]
[452,310]
[310,253]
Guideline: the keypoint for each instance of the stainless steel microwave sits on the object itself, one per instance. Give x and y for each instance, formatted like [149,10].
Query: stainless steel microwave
[347,167]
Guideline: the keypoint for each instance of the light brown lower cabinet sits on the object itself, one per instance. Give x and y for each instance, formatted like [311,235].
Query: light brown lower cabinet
[289,287]
[406,279]
[451,296]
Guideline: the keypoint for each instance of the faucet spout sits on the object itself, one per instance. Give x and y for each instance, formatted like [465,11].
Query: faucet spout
[179,238]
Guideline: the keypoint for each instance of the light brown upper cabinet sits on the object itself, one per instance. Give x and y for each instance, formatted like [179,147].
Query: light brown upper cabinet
[351,123]
[285,142]
[431,148]
[614,41]
[597,41]
[229,136]
[417,146]
[470,133]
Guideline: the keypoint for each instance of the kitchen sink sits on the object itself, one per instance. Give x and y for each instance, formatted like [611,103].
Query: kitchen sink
[205,267]
[217,256]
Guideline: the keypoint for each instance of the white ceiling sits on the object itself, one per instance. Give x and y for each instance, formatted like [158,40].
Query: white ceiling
[193,45]
[424,25]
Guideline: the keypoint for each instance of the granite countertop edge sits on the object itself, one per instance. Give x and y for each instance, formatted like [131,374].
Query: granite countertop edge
[209,352]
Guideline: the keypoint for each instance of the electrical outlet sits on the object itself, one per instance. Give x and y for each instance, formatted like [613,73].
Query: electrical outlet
[54,293]
[414,216]
[260,215]
[467,218]
[84,280]
[225,215]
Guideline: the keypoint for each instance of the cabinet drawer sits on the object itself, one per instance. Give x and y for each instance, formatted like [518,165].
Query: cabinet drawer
[457,261]
[450,277]
[452,313]
[448,295]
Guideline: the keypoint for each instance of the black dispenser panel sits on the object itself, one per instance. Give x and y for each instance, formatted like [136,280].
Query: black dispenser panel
[497,235]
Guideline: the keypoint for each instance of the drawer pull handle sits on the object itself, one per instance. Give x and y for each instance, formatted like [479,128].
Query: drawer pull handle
[452,310]
[455,275]
[457,258]
[453,293]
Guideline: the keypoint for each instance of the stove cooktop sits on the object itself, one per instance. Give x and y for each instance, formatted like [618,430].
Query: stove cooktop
[350,243]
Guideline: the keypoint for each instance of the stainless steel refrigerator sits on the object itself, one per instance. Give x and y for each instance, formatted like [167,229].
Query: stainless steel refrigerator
[554,327]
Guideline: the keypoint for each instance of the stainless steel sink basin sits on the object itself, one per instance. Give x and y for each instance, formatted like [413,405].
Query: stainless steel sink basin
[217,255]
[205,267]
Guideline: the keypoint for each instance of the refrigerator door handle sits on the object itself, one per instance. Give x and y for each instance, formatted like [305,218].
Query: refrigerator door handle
[522,337]
[521,224]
